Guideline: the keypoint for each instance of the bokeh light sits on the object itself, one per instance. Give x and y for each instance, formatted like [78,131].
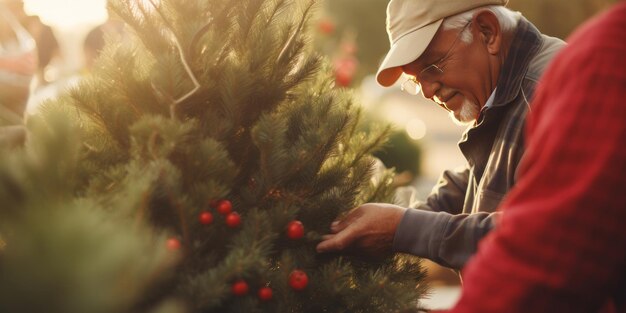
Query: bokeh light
[68,13]
[416,129]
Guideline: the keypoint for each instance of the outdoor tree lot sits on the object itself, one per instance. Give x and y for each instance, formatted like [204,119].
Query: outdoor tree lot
[195,170]
[198,166]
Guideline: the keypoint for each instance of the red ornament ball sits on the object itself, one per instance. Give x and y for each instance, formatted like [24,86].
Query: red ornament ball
[233,220]
[342,79]
[298,280]
[326,26]
[240,288]
[345,68]
[224,207]
[295,230]
[206,218]
[265,294]
[173,244]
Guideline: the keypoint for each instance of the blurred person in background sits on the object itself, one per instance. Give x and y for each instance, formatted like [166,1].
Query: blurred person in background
[96,40]
[560,245]
[18,61]
[92,46]
[18,64]
[479,61]
[47,48]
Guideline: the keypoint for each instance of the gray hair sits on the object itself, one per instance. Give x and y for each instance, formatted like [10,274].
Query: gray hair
[508,20]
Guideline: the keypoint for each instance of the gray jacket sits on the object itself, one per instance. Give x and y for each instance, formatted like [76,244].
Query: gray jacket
[447,227]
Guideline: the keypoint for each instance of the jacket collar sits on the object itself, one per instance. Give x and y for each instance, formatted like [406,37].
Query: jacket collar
[525,44]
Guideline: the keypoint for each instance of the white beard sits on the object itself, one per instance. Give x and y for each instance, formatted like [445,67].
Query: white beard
[467,114]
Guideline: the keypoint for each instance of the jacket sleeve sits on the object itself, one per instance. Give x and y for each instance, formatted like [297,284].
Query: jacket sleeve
[448,239]
[435,230]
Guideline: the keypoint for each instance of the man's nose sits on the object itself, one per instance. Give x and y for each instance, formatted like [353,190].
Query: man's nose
[429,89]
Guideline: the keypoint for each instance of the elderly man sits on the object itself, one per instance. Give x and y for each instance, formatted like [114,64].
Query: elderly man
[569,203]
[480,61]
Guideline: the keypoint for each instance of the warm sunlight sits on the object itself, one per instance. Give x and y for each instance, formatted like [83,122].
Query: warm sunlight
[68,13]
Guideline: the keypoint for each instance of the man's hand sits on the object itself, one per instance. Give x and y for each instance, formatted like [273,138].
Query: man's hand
[368,229]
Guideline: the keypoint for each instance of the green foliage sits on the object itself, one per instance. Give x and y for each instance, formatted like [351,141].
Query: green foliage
[224,100]
[402,153]
[364,20]
[61,253]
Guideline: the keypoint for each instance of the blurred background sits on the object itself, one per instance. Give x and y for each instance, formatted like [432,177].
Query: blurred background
[56,41]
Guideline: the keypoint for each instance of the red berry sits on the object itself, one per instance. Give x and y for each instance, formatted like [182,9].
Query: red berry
[298,280]
[295,230]
[326,26]
[206,218]
[173,244]
[343,79]
[233,219]
[265,294]
[344,69]
[224,207]
[240,287]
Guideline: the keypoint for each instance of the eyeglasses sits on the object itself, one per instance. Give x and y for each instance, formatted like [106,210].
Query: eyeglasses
[429,74]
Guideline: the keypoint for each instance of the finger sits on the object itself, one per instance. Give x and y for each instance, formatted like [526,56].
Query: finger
[325,246]
[336,242]
[337,226]
[327,237]
[344,222]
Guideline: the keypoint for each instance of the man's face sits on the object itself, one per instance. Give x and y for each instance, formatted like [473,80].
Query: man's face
[454,74]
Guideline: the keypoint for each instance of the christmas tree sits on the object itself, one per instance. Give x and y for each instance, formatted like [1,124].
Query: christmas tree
[218,128]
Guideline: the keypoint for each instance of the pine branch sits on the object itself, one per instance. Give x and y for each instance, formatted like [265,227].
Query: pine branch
[290,42]
[183,59]
[375,144]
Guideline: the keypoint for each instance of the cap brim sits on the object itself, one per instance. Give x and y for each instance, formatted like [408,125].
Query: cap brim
[404,51]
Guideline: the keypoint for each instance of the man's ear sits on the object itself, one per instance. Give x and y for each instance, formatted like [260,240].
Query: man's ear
[488,31]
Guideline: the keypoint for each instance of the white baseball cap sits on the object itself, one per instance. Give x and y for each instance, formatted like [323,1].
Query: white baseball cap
[412,24]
